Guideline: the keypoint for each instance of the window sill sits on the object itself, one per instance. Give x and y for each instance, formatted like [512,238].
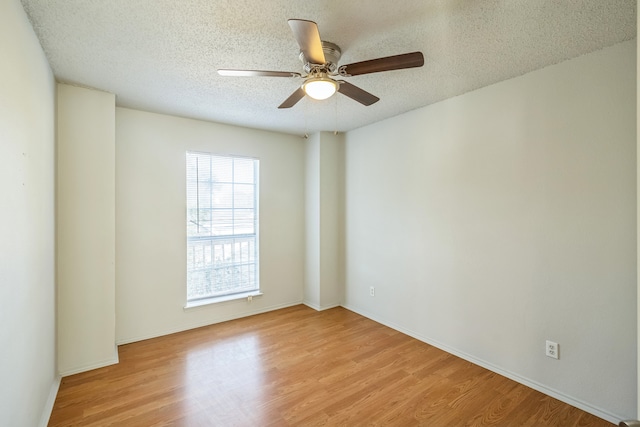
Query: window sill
[225,298]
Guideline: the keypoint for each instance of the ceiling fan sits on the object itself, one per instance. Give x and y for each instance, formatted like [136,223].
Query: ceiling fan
[320,64]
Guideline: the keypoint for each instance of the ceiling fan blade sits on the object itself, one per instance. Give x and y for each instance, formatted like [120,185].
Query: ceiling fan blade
[293,99]
[357,94]
[396,62]
[257,73]
[308,38]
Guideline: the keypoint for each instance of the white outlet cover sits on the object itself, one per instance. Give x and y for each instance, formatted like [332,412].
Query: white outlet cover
[552,349]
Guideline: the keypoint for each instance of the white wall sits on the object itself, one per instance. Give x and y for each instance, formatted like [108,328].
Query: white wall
[151,230]
[638,211]
[498,219]
[27,230]
[312,223]
[86,229]
[331,214]
[324,258]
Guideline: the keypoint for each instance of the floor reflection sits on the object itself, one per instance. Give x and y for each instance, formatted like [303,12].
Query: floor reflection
[233,364]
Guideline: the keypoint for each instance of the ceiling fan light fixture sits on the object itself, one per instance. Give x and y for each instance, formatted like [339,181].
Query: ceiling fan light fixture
[320,87]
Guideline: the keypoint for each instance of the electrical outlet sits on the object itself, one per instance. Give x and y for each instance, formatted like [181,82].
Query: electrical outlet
[552,349]
[372,291]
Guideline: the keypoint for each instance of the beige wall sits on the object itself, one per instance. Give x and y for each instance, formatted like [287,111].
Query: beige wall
[151,229]
[324,284]
[86,229]
[331,214]
[28,376]
[496,220]
[312,223]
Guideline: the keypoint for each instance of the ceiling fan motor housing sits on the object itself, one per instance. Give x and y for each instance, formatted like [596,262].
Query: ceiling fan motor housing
[332,55]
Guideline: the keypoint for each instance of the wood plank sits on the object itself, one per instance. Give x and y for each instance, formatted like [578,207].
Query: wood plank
[296,366]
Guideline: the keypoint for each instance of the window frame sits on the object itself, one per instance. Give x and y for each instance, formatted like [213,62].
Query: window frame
[232,240]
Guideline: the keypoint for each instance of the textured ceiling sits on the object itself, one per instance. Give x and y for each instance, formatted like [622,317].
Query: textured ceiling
[162,55]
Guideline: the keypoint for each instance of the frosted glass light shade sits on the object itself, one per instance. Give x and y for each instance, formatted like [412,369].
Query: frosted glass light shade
[319,87]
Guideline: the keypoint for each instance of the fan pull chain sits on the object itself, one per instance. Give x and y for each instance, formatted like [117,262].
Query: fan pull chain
[306,118]
[335,127]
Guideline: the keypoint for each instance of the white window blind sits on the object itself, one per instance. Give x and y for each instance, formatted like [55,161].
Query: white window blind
[222,225]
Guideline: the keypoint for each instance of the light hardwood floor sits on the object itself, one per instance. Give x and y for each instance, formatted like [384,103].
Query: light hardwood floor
[299,367]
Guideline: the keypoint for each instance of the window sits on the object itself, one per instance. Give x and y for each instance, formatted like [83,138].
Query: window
[222,226]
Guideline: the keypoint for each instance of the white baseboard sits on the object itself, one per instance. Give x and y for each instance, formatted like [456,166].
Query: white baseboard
[113,360]
[156,334]
[48,406]
[317,307]
[598,412]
